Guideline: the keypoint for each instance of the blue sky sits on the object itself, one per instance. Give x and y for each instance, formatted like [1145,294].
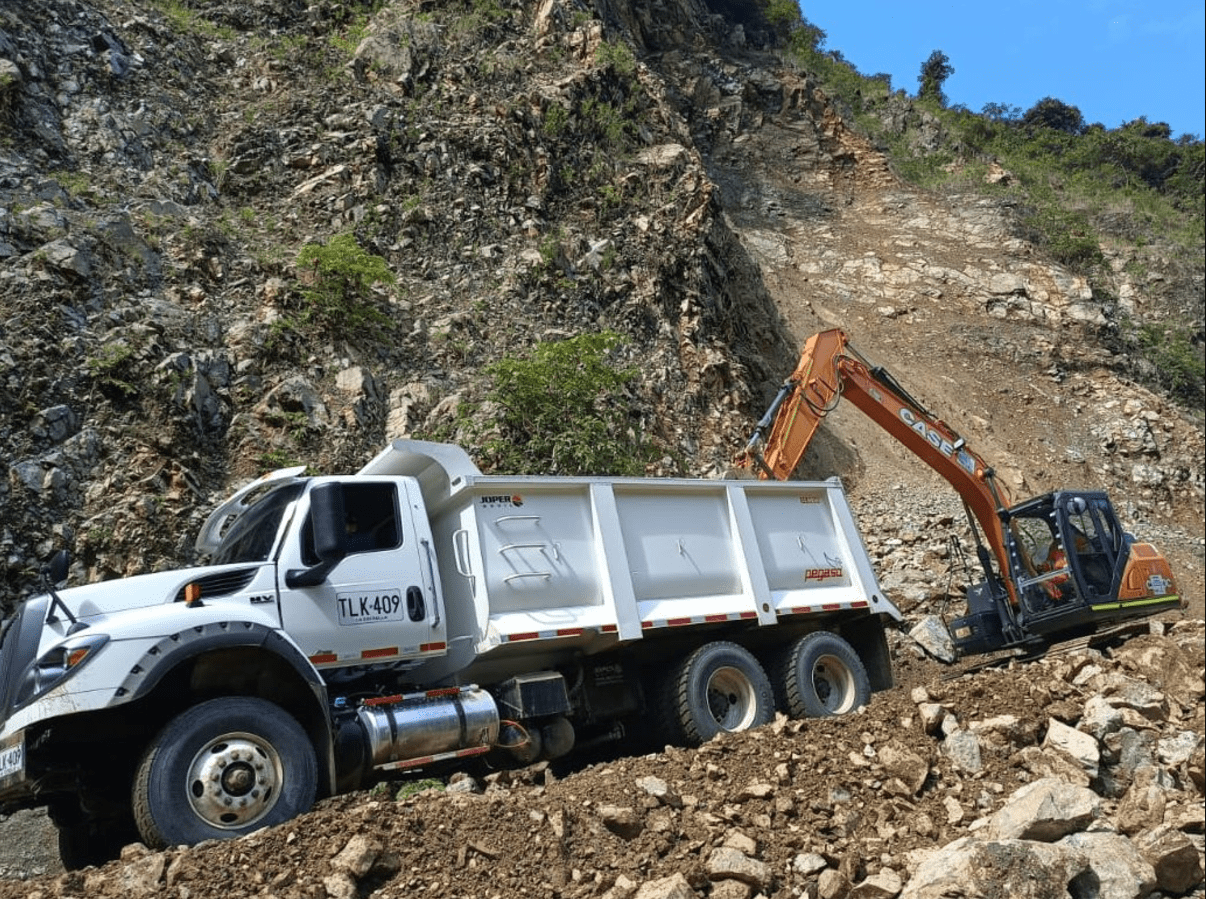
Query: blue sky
[1114,60]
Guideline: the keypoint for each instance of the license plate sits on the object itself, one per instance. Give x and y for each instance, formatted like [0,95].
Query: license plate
[371,607]
[12,758]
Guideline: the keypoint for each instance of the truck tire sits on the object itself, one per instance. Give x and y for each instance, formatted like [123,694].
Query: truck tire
[222,769]
[819,675]
[718,687]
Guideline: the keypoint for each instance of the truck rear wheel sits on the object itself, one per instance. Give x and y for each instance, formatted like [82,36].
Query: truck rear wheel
[718,687]
[222,769]
[818,675]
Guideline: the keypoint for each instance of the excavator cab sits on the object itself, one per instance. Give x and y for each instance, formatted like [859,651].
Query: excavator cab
[1063,550]
[1069,558]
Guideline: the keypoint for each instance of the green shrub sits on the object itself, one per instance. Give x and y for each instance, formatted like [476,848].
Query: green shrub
[556,120]
[784,17]
[411,787]
[336,289]
[563,410]
[113,370]
[1170,359]
[1069,237]
[617,57]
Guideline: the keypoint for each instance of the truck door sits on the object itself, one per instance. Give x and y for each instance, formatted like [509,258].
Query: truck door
[378,605]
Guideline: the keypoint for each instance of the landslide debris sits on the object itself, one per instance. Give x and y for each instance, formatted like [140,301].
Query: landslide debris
[1079,774]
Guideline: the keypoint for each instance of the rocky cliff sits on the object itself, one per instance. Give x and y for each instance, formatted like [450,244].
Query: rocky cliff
[528,171]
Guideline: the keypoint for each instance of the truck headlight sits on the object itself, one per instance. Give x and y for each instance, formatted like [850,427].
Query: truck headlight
[58,664]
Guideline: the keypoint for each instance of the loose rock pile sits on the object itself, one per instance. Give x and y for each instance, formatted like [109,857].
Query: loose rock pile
[1076,775]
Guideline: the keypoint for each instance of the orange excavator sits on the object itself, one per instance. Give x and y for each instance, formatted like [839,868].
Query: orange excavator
[1055,566]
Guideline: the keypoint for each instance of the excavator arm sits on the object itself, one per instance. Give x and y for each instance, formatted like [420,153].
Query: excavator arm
[830,369]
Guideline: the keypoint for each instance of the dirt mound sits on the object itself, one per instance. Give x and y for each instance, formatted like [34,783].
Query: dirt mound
[781,811]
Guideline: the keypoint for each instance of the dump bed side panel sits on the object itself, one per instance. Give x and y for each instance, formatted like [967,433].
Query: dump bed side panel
[591,561]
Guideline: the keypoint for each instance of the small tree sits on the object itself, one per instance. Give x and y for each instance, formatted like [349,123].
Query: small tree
[562,410]
[934,72]
[337,285]
[1056,115]
[784,17]
[807,38]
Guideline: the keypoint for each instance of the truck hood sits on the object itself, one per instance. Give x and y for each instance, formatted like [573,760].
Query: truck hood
[140,591]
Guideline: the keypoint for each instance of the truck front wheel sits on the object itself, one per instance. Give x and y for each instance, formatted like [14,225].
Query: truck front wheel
[222,769]
[718,687]
[820,674]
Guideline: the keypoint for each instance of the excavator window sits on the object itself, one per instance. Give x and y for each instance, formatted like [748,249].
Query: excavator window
[1041,564]
[1091,532]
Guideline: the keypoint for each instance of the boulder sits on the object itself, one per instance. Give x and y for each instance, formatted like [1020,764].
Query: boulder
[1142,806]
[1018,869]
[1044,810]
[884,885]
[1173,857]
[1078,745]
[673,887]
[726,863]
[963,748]
[1121,871]
[931,634]
[899,761]
[623,821]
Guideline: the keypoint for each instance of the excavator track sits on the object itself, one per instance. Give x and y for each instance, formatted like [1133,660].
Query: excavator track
[1104,637]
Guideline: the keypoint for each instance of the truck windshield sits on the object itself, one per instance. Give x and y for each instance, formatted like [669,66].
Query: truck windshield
[251,537]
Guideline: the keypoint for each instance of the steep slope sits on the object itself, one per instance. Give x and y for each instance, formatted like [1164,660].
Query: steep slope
[165,174]
[937,288]
[528,171]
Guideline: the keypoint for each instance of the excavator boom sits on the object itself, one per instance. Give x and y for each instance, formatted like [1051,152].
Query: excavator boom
[829,370]
[1115,576]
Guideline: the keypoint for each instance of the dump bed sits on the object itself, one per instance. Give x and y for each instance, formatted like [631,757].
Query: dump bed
[586,562]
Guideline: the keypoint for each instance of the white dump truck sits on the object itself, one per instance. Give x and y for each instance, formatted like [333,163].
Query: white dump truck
[418,613]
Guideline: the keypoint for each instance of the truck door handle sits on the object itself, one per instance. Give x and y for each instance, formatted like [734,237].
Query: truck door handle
[416,608]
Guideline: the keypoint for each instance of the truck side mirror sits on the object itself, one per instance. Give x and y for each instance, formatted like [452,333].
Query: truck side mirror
[57,570]
[328,518]
[327,522]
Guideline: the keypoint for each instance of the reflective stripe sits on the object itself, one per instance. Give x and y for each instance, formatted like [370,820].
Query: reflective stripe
[698,619]
[385,652]
[558,634]
[379,653]
[431,759]
[1126,604]
[825,607]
